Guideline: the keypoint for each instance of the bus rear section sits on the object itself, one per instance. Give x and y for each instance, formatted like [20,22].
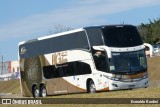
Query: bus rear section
[56,64]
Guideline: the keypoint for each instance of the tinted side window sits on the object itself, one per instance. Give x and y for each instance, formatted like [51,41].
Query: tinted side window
[54,44]
[82,68]
[52,72]
[67,69]
[95,36]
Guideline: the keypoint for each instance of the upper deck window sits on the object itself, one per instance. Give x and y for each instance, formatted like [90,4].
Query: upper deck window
[121,36]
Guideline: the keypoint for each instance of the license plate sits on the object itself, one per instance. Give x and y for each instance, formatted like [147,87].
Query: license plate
[131,86]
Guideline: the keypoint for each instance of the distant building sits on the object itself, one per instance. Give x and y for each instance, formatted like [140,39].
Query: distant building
[14,66]
[9,67]
[3,68]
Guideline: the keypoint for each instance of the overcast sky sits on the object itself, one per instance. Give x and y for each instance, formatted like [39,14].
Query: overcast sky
[22,20]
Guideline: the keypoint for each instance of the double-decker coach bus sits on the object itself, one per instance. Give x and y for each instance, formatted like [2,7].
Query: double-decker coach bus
[90,59]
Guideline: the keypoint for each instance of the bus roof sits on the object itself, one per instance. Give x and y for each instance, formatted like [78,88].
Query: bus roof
[71,31]
[53,35]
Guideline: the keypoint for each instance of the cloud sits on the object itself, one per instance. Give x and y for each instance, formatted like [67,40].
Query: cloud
[77,14]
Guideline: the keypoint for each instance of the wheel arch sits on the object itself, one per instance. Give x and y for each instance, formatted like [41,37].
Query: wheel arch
[87,83]
[41,84]
[33,86]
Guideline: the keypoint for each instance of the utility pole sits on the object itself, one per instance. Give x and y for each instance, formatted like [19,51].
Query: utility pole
[2,65]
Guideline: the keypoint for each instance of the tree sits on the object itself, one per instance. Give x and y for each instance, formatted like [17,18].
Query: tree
[150,32]
[59,28]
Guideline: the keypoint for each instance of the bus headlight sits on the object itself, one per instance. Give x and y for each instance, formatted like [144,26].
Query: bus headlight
[116,77]
[145,75]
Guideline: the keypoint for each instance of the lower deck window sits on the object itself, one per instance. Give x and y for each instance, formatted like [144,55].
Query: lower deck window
[67,69]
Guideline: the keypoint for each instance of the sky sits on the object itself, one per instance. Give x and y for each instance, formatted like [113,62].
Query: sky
[22,20]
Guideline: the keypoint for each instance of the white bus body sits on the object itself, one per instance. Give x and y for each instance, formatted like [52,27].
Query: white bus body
[90,59]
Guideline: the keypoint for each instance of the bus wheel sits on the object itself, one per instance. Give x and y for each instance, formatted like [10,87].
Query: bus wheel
[92,88]
[43,91]
[35,92]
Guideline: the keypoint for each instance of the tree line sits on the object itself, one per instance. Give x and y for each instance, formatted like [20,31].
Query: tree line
[150,32]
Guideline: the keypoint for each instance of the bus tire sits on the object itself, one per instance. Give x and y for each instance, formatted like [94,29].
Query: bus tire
[91,87]
[35,91]
[43,92]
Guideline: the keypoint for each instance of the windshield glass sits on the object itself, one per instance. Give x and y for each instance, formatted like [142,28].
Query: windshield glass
[128,62]
[121,36]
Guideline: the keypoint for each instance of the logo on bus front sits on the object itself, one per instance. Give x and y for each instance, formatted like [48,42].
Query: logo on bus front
[23,50]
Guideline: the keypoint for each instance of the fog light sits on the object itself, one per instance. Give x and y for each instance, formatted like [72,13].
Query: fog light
[115,85]
[146,82]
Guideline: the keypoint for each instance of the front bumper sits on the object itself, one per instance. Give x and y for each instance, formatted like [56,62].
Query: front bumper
[117,85]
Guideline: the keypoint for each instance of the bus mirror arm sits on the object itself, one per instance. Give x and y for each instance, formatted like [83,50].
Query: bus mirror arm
[151,50]
[103,48]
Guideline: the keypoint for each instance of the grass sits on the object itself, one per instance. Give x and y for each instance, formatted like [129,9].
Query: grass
[12,86]
[154,68]
[151,92]
[135,93]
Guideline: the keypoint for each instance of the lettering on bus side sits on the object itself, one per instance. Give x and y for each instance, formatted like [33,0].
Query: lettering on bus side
[59,58]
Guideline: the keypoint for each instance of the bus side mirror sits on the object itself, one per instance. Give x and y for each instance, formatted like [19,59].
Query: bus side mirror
[151,50]
[103,48]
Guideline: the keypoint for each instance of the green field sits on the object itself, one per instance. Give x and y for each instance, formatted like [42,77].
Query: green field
[153,91]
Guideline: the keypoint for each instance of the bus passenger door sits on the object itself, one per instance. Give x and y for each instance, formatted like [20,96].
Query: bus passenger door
[101,64]
[100,59]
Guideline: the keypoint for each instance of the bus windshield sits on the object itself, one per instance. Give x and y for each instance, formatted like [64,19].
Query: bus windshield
[121,36]
[128,62]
